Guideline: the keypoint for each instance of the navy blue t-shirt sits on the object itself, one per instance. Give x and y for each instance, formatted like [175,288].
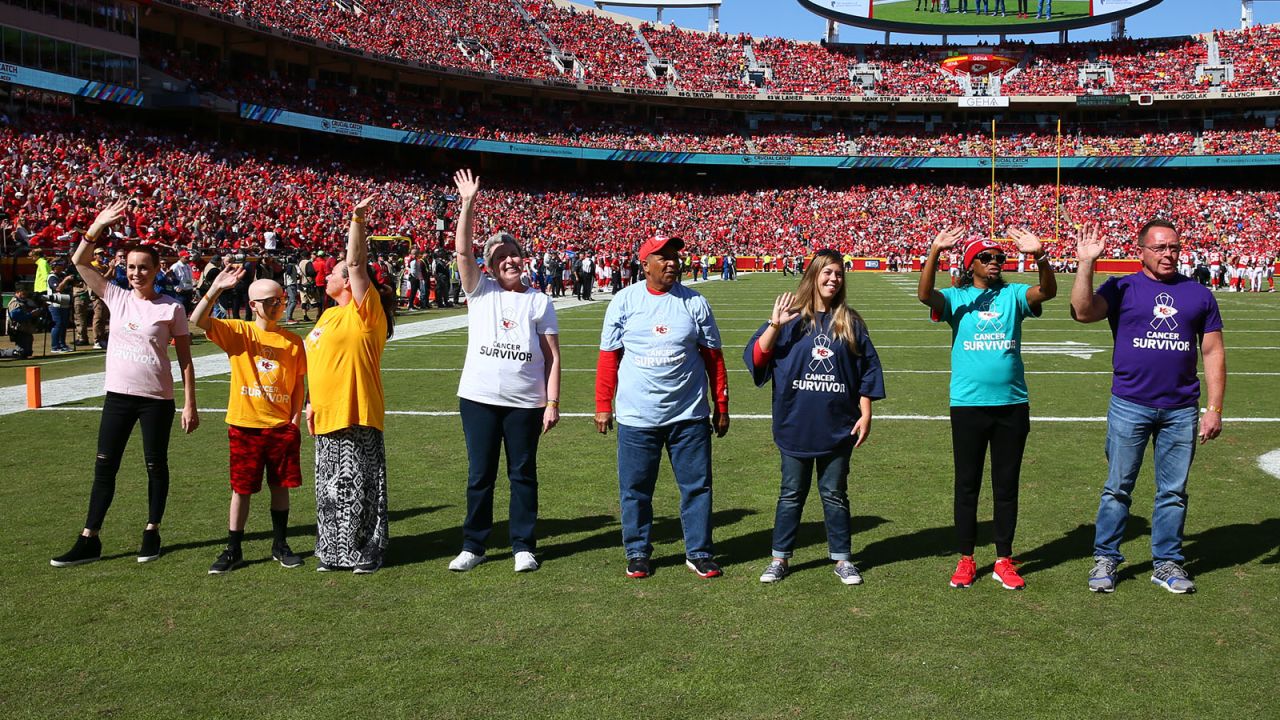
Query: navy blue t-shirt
[817,383]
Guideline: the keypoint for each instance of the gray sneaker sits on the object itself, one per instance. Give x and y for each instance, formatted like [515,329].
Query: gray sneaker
[1170,576]
[1102,578]
[848,573]
[776,571]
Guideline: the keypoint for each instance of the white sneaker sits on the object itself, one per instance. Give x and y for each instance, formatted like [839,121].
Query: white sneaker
[465,561]
[526,562]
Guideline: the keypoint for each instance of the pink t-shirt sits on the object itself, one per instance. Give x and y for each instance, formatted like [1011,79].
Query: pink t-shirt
[138,347]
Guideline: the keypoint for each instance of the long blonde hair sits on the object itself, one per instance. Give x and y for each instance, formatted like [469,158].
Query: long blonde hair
[845,321]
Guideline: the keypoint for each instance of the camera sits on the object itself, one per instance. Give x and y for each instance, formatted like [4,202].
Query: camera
[58,298]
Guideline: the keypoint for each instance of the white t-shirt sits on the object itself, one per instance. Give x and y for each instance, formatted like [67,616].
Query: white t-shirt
[504,364]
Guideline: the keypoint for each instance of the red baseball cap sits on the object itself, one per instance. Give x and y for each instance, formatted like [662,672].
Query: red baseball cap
[656,244]
[974,247]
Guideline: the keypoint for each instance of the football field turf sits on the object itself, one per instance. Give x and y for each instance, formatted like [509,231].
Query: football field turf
[905,11]
[578,639]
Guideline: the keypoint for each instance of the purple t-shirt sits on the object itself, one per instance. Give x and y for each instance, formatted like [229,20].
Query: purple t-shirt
[1158,327]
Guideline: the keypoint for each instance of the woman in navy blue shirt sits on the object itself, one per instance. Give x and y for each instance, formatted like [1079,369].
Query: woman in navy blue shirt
[825,373]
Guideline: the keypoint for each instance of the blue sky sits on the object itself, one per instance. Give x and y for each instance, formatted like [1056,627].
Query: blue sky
[786,18]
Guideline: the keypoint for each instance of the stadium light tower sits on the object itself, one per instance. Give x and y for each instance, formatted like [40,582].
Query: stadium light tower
[712,6]
[1246,14]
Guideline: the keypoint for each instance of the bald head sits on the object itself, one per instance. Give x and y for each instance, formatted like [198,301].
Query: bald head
[265,288]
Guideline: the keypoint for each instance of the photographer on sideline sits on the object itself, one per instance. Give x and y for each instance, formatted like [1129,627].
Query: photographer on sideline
[24,314]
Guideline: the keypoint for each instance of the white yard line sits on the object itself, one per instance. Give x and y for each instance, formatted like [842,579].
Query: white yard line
[929,418]
[82,387]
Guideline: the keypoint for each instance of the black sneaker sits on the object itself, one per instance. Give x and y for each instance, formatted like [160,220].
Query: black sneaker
[704,567]
[638,567]
[150,549]
[86,550]
[286,557]
[368,568]
[229,560]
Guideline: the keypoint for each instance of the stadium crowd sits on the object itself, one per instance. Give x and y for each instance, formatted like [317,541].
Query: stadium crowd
[571,126]
[202,196]
[515,37]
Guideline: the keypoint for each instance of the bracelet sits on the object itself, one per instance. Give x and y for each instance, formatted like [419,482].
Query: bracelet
[357,220]
[553,403]
[775,325]
[1213,408]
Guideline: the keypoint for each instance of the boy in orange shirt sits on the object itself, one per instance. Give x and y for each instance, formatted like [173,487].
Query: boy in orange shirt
[263,409]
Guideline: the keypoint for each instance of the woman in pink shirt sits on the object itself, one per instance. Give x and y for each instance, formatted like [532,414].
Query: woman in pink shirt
[139,386]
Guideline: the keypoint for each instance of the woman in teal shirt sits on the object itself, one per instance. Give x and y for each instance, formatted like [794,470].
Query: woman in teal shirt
[988,387]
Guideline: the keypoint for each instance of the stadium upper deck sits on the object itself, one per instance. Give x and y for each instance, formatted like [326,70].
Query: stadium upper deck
[570,46]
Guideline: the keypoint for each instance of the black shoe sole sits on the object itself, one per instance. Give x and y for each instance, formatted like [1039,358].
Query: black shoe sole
[233,566]
[73,563]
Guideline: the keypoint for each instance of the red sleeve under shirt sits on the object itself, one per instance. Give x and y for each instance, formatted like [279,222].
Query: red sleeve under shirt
[607,377]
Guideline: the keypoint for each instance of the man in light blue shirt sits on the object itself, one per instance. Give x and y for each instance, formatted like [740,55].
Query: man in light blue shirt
[659,347]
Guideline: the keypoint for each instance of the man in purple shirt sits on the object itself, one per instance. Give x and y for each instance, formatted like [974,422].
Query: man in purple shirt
[1158,319]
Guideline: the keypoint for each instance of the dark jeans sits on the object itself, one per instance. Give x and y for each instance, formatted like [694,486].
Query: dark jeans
[58,335]
[488,428]
[688,446]
[119,414]
[1005,429]
[833,488]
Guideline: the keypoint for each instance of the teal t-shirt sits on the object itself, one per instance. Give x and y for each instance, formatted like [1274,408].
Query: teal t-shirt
[986,344]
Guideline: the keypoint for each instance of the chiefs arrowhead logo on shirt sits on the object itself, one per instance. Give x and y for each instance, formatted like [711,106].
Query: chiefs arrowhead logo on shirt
[660,329]
[133,327]
[267,366]
[508,324]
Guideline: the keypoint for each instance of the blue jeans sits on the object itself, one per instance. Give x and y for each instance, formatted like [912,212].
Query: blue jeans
[1045,9]
[488,428]
[58,334]
[688,446]
[833,488]
[982,6]
[1129,428]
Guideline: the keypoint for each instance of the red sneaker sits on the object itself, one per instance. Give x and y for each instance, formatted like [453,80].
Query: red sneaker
[966,571]
[1007,574]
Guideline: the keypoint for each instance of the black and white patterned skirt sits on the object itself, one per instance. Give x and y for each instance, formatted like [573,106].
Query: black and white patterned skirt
[351,496]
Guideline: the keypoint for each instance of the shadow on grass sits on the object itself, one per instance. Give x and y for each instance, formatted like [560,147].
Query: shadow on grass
[1231,545]
[757,546]
[296,532]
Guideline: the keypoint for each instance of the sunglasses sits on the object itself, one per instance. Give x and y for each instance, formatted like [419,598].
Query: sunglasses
[269,302]
[987,257]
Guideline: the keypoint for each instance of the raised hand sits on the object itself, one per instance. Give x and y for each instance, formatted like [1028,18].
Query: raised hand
[228,278]
[467,184]
[1090,244]
[947,239]
[362,207]
[1025,240]
[108,216]
[784,309]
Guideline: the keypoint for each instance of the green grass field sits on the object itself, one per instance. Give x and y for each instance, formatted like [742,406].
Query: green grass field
[905,11]
[579,640]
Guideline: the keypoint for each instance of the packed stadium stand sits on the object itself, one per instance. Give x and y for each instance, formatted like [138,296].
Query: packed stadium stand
[209,167]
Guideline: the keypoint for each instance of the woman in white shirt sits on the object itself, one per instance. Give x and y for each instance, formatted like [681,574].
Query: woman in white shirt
[509,392]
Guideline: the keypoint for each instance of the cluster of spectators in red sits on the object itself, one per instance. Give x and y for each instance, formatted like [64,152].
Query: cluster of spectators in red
[570,125]
[199,194]
[494,35]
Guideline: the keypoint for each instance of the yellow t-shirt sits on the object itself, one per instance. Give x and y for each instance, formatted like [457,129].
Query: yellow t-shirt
[266,372]
[344,357]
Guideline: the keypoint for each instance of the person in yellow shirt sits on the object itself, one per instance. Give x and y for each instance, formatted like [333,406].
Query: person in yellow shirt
[345,411]
[263,409]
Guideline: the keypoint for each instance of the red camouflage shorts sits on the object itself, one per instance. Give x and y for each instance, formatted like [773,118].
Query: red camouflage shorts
[275,450]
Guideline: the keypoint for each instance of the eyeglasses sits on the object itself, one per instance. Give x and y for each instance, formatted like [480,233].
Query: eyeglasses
[987,257]
[268,302]
[1162,249]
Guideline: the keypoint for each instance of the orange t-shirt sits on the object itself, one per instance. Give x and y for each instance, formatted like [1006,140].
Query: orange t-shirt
[266,372]
[344,354]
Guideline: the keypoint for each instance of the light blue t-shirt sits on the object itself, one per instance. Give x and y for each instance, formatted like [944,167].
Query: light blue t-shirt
[986,344]
[662,378]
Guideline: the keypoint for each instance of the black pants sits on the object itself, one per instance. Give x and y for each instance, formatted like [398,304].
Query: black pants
[1005,429]
[119,414]
[442,291]
[487,429]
